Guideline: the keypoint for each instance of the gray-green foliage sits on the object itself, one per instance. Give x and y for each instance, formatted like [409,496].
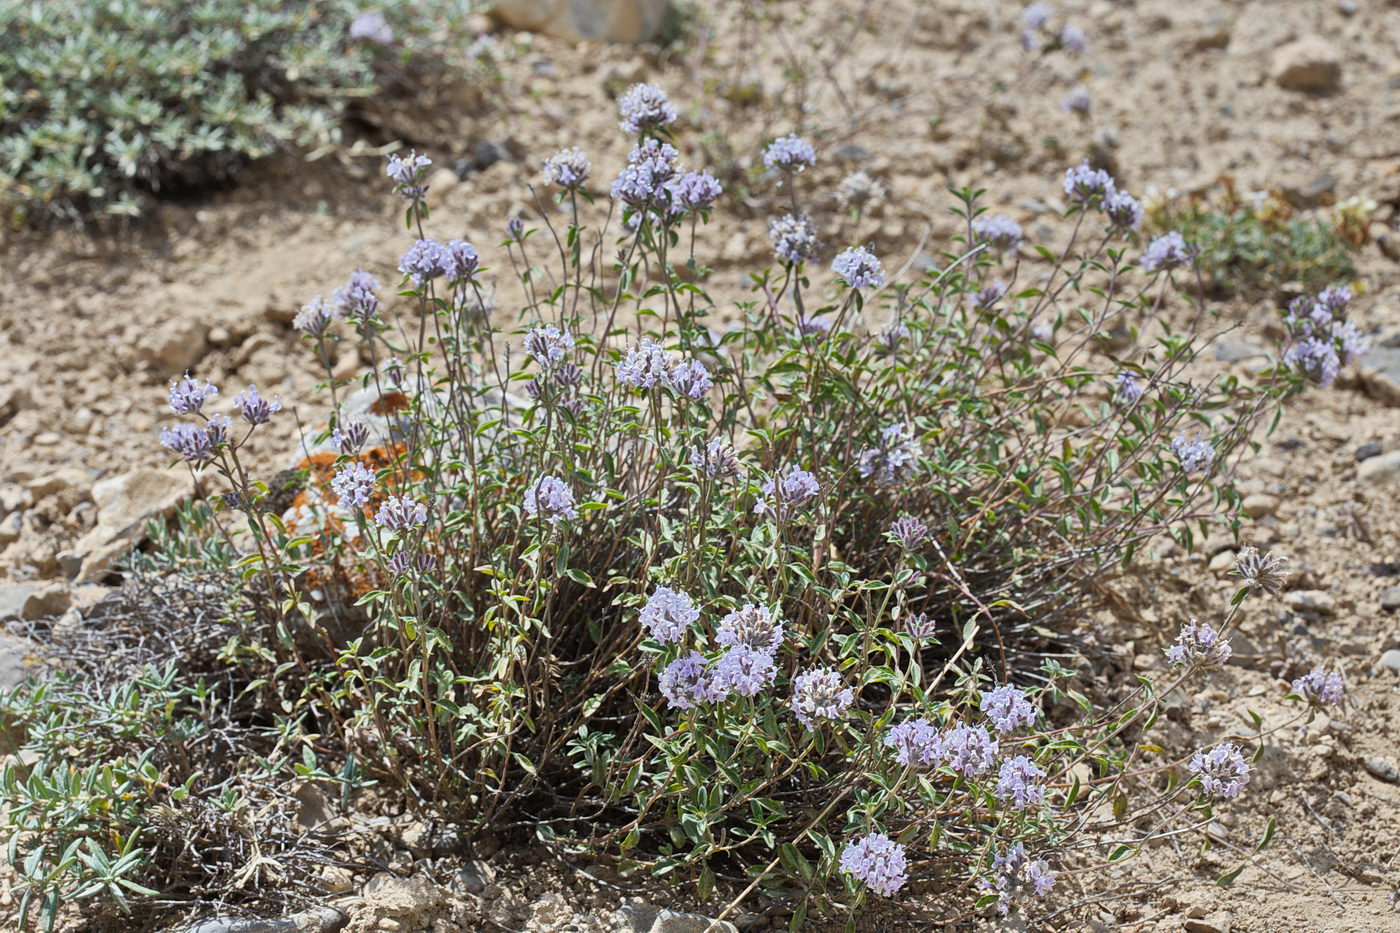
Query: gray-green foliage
[104,101]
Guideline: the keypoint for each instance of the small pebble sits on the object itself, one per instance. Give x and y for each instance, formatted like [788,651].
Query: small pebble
[1367,451]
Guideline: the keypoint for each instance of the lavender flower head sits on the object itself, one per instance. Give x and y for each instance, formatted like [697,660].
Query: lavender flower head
[716,458]
[190,441]
[1072,39]
[315,317]
[400,513]
[858,190]
[752,626]
[645,107]
[878,861]
[645,366]
[688,682]
[551,498]
[425,260]
[647,177]
[969,750]
[892,334]
[790,154]
[1124,211]
[1350,342]
[547,345]
[1085,185]
[894,459]
[859,268]
[568,168]
[407,173]
[745,671]
[819,693]
[920,626]
[254,408]
[690,378]
[187,394]
[1129,389]
[988,295]
[794,238]
[1014,876]
[915,743]
[781,494]
[357,300]
[1166,252]
[1198,644]
[1194,452]
[1261,571]
[372,26]
[695,191]
[353,485]
[1316,359]
[1036,15]
[1320,687]
[462,261]
[907,532]
[667,614]
[1222,771]
[350,436]
[1334,298]
[1007,708]
[1018,783]
[1077,100]
[999,232]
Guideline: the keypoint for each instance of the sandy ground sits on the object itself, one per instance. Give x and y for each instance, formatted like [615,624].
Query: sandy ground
[924,96]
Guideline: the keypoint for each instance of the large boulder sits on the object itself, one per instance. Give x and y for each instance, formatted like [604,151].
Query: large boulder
[578,20]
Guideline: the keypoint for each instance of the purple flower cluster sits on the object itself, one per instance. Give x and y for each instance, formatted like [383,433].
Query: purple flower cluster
[969,750]
[791,489]
[716,458]
[550,498]
[353,485]
[1167,251]
[894,458]
[372,26]
[877,860]
[400,513]
[568,168]
[427,259]
[690,378]
[650,365]
[651,167]
[407,173]
[907,532]
[688,682]
[358,300]
[1077,100]
[548,345]
[1222,771]
[1129,389]
[1323,341]
[1019,783]
[315,317]
[794,238]
[920,626]
[915,742]
[790,154]
[1198,644]
[819,693]
[644,108]
[350,436]
[988,295]
[1261,571]
[1008,709]
[1320,687]
[1014,876]
[1194,452]
[194,444]
[254,408]
[1124,211]
[745,671]
[695,191]
[859,268]
[999,232]
[752,626]
[1087,185]
[187,395]
[667,614]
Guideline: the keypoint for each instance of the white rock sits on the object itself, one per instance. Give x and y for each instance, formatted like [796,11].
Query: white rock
[1310,64]
[1314,601]
[577,20]
[1260,504]
[1380,471]
[124,504]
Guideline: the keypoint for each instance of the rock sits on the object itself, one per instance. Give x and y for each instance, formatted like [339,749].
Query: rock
[578,20]
[1238,351]
[1310,64]
[1379,371]
[440,184]
[1390,661]
[1219,921]
[10,527]
[1306,195]
[14,498]
[1316,602]
[1222,562]
[1260,504]
[1382,768]
[124,504]
[1380,471]
[1367,450]
[315,920]
[673,921]
[174,346]
[15,659]
[1390,599]
[26,602]
[60,480]
[487,153]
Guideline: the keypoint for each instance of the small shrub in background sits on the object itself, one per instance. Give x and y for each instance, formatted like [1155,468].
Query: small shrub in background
[768,605]
[103,104]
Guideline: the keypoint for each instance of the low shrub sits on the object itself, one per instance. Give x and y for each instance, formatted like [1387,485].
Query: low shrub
[102,104]
[788,603]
